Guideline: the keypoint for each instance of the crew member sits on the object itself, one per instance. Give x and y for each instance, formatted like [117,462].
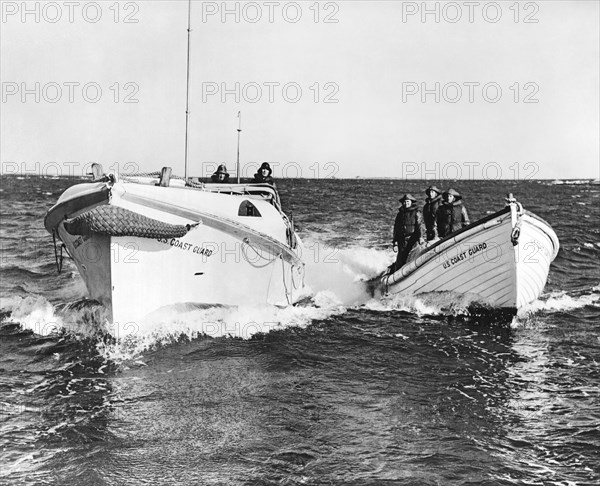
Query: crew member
[408,229]
[451,215]
[432,202]
[264,174]
[221,175]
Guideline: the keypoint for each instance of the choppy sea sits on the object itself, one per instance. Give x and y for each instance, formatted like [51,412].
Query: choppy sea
[342,389]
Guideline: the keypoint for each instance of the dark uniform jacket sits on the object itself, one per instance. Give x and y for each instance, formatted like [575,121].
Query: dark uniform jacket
[429,211]
[408,225]
[258,177]
[215,178]
[451,217]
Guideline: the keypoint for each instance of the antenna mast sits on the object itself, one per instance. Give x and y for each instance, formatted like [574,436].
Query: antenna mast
[187,91]
[239,130]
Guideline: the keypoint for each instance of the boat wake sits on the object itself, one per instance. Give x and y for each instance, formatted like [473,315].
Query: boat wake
[563,301]
[82,318]
[452,304]
[335,281]
[341,274]
[432,304]
[87,320]
[336,284]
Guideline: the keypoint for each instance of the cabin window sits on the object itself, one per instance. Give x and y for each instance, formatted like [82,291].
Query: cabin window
[248,209]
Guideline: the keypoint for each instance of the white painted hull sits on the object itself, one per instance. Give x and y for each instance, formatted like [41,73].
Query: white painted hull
[225,259]
[482,262]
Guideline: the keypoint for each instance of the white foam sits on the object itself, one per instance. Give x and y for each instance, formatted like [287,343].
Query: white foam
[33,313]
[571,181]
[342,272]
[172,324]
[560,301]
[442,303]
[165,326]
[335,278]
[37,314]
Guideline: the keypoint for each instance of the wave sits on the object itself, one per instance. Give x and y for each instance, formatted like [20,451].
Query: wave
[592,245]
[562,301]
[336,281]
[88,319]
[452,304]
[571,181]
[432,304]
[334,278]
[82,319]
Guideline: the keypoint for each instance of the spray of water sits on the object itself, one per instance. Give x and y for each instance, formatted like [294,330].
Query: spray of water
[336,282]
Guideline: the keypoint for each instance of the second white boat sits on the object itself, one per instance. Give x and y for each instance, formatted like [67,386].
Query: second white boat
[501,261]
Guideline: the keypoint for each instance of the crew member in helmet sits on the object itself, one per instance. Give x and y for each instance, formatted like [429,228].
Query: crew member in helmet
[221,175]
[451,215]
[432,202]
[264,174]
[408,229]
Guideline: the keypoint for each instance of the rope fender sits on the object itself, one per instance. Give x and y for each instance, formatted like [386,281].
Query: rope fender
[116,221]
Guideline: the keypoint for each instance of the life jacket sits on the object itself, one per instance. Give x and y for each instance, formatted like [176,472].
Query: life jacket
[406,224]
[429,210]
[449,218]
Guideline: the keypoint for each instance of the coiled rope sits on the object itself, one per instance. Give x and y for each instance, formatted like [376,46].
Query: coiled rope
[116,221]
[246,243]
[300,270]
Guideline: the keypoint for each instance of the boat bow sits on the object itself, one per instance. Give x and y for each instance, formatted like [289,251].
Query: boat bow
[501,261]
[142,243]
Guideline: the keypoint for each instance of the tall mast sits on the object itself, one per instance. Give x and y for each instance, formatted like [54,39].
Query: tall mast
[187,90]
[239,130]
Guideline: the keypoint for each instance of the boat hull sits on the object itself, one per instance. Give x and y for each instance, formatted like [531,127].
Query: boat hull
[501,261]
[224,258]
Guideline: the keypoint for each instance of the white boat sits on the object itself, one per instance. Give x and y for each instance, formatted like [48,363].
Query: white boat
[501,261]
[145,242]
[148,241]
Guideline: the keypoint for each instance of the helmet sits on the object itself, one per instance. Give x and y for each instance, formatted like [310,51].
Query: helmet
[432,188]
[222,170]
[452,192]
[265,165]
[407,196]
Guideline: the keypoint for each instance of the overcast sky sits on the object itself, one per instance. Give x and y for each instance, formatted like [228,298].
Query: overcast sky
[327,89]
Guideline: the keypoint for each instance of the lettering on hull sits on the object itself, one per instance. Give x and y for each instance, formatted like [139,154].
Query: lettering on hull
[463,255]
[181,245]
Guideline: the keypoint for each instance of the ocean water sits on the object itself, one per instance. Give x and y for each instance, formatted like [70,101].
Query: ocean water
[342,389]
